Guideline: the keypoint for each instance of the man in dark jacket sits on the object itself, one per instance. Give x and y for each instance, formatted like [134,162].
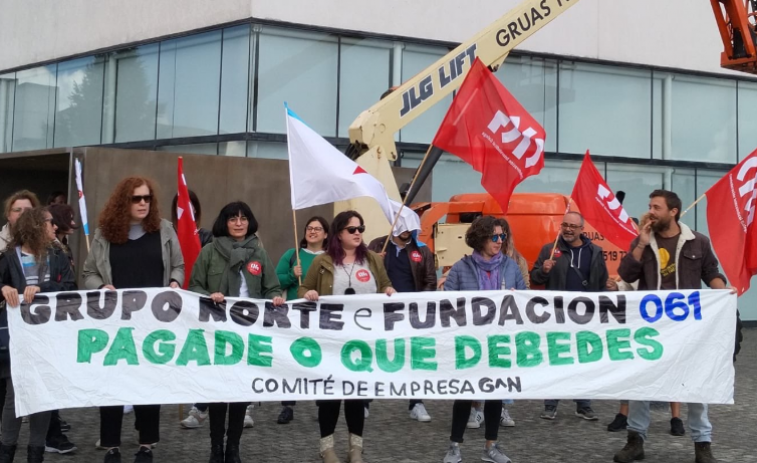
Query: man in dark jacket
[668,255]
[577,265]
[410,266]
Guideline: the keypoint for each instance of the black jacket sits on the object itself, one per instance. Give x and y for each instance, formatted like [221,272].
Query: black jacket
[556,279]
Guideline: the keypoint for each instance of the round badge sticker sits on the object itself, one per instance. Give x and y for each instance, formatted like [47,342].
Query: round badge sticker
[363,275]
[558,253]
[416,256]
[255,268]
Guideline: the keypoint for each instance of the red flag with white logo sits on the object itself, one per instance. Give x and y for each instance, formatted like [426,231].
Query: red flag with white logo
[601,208]
[186,227]
[730,216]
[487,128]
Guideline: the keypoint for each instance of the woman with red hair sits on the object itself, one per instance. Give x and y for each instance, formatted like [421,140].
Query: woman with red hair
[133,248]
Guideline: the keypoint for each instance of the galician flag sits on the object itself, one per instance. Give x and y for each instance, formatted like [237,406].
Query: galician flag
[321,174]
[82,199]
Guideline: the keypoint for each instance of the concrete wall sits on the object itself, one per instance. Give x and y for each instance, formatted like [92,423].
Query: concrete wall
[676,33]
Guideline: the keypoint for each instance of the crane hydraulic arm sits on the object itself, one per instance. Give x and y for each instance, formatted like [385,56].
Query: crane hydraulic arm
[736,20]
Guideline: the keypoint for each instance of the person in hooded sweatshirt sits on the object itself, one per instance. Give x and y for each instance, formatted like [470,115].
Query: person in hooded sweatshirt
[577,265]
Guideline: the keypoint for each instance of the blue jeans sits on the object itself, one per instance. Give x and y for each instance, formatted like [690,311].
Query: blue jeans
[579,403]
[701,429]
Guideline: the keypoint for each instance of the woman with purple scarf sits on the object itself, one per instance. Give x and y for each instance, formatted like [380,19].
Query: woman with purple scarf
[488,269]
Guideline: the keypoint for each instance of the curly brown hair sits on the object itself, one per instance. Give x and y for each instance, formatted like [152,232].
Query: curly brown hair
[115,218]
[31,231]
[482,229]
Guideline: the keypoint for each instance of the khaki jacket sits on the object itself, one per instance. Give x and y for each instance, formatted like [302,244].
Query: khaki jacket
[97,272]
[320,276]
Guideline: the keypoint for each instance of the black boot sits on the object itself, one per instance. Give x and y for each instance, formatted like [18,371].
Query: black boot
[232,453]
[634,449]
[703,453]
[35,454]
[7,452]
[216,454]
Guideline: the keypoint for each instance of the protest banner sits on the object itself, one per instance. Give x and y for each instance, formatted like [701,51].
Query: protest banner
[163,346]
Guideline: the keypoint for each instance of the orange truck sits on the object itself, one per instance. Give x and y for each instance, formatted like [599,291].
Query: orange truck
[533,217]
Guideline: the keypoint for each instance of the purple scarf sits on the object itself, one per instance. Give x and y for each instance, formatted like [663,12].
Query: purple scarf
[488,271]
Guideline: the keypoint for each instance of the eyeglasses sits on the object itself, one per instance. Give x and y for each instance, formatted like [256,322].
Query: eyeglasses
[136,199]
[239,219]
[501,237]
[314,229]
[572,226]
[352,230]
[18,210]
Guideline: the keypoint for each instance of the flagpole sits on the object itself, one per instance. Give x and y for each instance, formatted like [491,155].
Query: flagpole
[296,244]
[693,204]
[554,246]
[412,184]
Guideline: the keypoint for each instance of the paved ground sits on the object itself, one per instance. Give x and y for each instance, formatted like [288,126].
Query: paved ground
[391,436]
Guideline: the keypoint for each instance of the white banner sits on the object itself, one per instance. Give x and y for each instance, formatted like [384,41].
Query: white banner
[164,346]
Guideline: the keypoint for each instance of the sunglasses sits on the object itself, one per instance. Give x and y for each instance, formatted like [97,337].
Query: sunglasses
[501,237]
[352,230]
[572,226]
[136,199]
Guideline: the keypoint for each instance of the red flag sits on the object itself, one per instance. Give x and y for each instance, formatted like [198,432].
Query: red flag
[601,208]
[186,227]
[730,216]
[487,128]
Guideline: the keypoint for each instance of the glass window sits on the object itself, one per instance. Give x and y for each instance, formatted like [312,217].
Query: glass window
[299,68]
[705,180]
[416,58]
[34,110]
[703,119]
[637,182]
[78,112]
[131,84]
[364,76]
[683,183]
[747,118]
[198,148]
[533,82]
[657,122]
[237,149]
[7,95]
[267,150]
[190,75]
[605,109]
[450,176]
[235,77]
[556,177]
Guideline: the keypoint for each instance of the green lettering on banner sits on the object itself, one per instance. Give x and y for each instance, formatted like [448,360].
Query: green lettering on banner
[496,351]
[165,351]
[615,344]
[462,343]
[260,347]
[589,347]
[527,348]
[642,336]
[195,349]
[123,348]
[90,342]
[422,353]
[363,361]
[306,352]
[382,355]
[559,343]
[224,338]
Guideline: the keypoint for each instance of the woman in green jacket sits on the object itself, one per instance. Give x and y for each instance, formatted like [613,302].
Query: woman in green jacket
[347,267]
[235,265]
[313,243]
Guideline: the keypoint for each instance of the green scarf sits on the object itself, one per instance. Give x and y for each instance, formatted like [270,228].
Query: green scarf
[237,254]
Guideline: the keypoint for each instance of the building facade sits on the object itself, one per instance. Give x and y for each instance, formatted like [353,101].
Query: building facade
[618,78]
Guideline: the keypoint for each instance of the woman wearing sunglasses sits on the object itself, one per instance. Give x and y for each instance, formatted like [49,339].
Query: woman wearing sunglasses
[487,269]
[347,267]
[133,248]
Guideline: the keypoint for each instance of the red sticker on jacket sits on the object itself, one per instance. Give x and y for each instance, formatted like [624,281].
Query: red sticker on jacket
[363,275]
[558,253]
[416,256]
[255,268]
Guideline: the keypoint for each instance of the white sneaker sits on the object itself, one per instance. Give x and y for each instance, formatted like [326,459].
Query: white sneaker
[128,409]
[419,413]
[98,446]
[505,420]
[194,419]
[248,421]
[475,419]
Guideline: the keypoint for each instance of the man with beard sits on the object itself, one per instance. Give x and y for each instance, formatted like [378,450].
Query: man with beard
[577,265]
[410,266]
[668,255]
